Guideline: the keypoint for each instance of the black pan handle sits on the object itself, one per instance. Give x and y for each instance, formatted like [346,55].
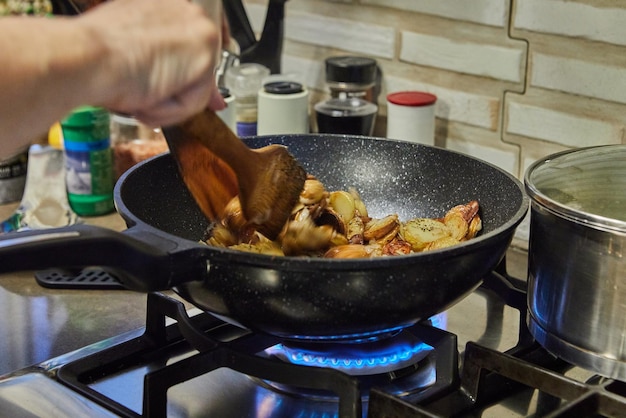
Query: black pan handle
[143,261]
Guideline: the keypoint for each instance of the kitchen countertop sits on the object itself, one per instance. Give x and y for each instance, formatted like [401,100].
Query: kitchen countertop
[37,323]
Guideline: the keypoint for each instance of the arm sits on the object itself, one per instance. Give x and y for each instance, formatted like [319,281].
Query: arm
[150,58]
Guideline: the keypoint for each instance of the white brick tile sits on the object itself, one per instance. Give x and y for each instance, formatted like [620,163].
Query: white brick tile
[579,77]
[567,129]
[479,59]
[451,104]
[349,35]
[486,12]
[312,71]
[505,159]
[573,19]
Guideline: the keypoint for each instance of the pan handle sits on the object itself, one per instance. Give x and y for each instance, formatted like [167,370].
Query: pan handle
[143,261]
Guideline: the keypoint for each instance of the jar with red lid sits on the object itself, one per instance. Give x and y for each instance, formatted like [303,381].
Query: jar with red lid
[411,116]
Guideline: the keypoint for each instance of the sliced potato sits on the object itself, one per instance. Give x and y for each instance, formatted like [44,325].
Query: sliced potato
[265,247]
[441,243]
[343,203]
[233,217]
[312,192]
[330,217]
[376,229]
[397,247]
[356,227]
[359,205]
[353,251]
[420,232]
[476,224]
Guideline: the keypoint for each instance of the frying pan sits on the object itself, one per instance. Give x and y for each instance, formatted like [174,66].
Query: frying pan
[298,297]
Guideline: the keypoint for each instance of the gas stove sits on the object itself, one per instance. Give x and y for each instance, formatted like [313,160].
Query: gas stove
[477,358]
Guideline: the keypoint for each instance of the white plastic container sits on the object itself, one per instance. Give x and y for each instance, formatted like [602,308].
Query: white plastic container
[283,108]
[411,116]
[228,114]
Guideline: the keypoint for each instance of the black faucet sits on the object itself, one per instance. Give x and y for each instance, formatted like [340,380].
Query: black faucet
[268,49]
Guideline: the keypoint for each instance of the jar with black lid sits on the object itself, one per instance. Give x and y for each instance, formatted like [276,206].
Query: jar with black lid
[352,76]
[283,107]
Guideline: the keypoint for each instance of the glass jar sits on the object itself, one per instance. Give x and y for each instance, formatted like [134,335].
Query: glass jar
[352,76]
[133,142]
[244,82]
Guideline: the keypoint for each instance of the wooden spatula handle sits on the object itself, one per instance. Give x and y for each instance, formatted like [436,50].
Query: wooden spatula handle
[223,142]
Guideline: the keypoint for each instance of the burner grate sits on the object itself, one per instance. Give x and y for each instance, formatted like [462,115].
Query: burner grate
[486,370]
[221,345]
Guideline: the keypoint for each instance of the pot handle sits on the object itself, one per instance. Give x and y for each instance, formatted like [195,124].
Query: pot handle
[143,261]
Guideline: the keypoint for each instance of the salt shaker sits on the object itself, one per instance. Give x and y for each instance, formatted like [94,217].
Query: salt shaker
[283,108]
[411,116]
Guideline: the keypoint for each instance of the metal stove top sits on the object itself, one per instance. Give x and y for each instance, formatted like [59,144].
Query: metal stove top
[172,369]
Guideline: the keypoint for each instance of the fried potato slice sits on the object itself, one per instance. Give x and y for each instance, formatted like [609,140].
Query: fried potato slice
[420,232]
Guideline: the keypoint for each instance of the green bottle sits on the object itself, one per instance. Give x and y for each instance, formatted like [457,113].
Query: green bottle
[88,161]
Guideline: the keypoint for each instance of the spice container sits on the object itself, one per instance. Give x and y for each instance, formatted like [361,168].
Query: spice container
[244,82]
[348,76]
[346,116]
[133,142]
[283,108]
[411,116]
[88,161]
[228,114]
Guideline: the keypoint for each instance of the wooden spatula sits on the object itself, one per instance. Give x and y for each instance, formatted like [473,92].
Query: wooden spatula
[216,165]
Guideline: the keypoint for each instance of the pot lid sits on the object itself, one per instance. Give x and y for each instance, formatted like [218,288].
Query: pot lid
[587,185]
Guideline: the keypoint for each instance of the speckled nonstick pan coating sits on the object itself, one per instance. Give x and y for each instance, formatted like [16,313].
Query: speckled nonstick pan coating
[297,297]
[320,298]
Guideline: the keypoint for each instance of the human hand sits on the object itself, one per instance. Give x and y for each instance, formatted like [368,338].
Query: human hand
[160,57]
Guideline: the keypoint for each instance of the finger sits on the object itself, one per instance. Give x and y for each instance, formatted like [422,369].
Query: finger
[191,101]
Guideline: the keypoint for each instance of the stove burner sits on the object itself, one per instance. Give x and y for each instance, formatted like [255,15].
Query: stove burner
[160,360]
[402,364]
[381,356]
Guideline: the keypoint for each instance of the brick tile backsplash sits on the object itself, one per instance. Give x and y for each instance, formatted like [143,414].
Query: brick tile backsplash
[579,77]
[377,41]
[585,20]
[486,12]
[461,56]
[560,127]
[515,80]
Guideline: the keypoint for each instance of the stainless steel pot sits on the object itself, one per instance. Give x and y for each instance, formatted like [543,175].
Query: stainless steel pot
[577,250]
